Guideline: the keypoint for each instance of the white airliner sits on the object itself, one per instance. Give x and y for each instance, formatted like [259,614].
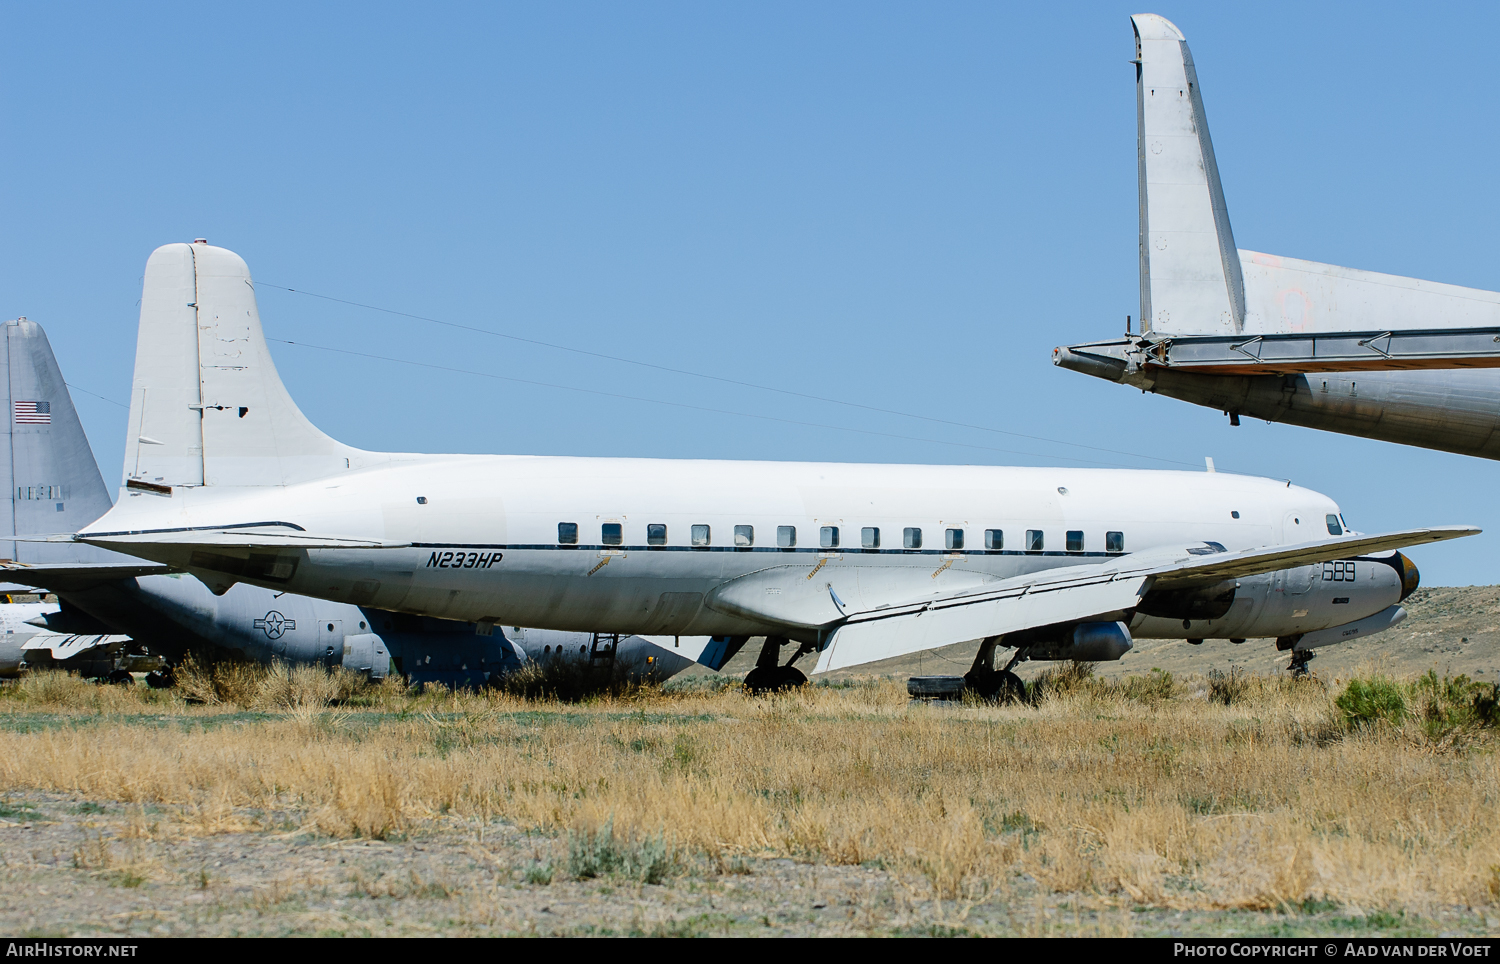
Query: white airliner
[226,478]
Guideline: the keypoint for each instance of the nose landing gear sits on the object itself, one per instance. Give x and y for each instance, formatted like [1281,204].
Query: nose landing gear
[1300,659]
[769,676]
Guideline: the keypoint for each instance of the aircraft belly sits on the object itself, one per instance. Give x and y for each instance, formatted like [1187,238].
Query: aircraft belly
[1453,411]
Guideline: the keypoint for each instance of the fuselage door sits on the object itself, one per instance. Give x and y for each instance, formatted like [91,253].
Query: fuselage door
[331,639]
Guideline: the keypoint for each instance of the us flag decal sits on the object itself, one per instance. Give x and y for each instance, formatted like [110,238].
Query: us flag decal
[33,413]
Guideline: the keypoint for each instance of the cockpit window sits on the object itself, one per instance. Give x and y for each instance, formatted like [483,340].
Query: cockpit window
[1334,528]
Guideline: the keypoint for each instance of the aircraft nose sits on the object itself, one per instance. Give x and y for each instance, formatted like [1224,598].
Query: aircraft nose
[1410,578]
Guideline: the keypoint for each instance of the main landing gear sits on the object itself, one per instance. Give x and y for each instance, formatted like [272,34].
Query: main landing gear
[997,686]
[769,676]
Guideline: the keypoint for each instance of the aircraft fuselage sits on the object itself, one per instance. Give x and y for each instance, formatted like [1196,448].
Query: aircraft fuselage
[742,548]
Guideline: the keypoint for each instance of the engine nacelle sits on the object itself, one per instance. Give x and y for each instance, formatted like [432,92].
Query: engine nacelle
[1089,642]
[1288,602]
[367,653]
[1208,602]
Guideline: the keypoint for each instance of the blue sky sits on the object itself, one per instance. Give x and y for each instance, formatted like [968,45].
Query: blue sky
[905,206]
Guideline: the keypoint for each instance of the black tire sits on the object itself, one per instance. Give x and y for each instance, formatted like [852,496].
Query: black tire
[994,686]
[773,679]
[160,679]
[936,687]
[120,678]
[1012,688]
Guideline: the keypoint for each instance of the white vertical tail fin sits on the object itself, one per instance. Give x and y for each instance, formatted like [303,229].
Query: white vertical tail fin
[1195,282]
[1190,271]
[207,406]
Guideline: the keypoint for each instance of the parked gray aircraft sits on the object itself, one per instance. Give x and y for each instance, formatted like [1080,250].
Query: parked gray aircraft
[54,485]
[1286,340]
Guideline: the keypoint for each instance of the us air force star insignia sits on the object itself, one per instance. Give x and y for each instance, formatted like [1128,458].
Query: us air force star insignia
[275,624]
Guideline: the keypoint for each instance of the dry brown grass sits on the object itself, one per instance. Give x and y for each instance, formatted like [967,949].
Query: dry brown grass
[1153,793]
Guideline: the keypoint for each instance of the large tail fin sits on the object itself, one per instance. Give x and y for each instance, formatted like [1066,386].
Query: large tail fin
[1190,269]
[207,406]
[54,483]
[1195,282]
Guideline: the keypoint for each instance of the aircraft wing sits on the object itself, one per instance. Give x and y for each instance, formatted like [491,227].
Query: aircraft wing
[1080,594]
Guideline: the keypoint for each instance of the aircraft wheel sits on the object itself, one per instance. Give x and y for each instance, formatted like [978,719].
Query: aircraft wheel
[1012,689]
[120,677]
[160,679]
[994,686]
[773,679]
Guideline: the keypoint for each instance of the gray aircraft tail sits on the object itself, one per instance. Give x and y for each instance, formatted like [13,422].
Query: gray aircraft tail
[53,484]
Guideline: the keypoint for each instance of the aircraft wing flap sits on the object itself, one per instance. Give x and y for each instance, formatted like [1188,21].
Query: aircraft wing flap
[898,631]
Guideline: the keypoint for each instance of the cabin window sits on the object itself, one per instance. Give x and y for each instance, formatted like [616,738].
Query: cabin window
[1334,529]
[828,537]
[1034,540]
[994,539]
[1234,514]
[612,533]
[1075,540]
[744,536]
[786,536]
[700,535]
[953,539]
[1114,542]
[656,534]
[567,533]
[869,538]
[911,538]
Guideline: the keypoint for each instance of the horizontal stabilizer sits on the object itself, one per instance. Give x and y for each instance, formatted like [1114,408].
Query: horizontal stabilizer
[248,537]
[63,646]
[62,577]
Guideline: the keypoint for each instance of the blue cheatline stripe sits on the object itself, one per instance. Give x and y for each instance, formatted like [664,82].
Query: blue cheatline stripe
[869,552]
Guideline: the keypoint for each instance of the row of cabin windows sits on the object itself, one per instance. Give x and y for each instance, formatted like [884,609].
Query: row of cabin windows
[613,534]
